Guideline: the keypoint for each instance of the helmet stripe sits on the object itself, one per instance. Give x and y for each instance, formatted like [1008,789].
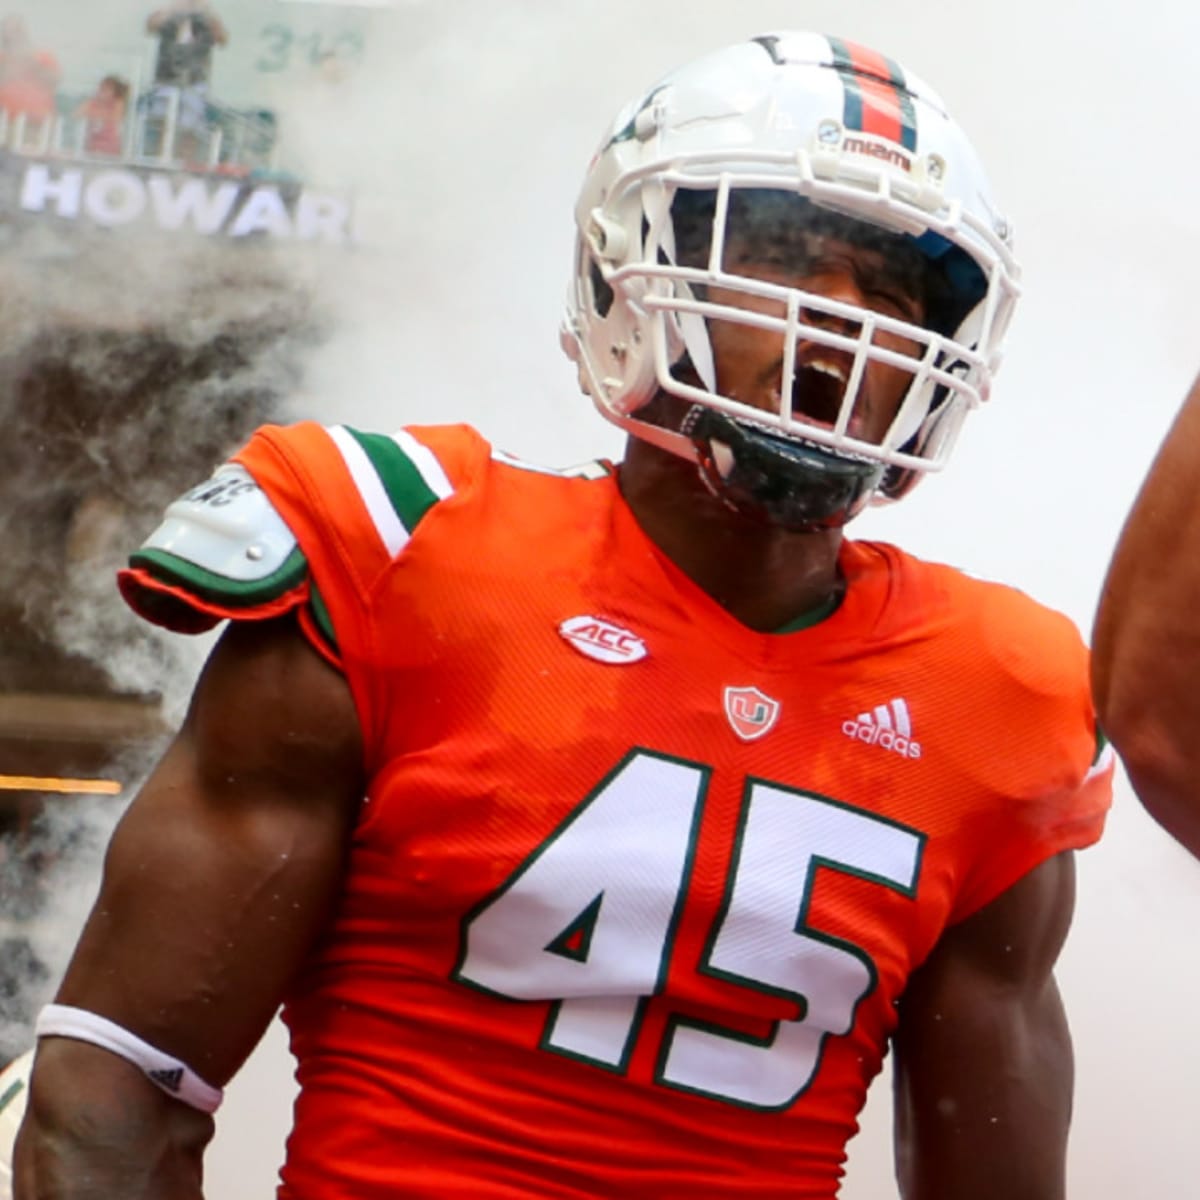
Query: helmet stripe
[877,99]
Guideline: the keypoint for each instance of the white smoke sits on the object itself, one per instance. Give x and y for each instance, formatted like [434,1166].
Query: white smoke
[129,367]
[47,884]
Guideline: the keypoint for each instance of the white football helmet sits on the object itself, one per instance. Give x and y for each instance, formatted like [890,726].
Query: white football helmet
[14,1094]
[869,156]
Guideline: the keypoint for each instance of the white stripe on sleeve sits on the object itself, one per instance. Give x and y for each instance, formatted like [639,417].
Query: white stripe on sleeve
[379,505]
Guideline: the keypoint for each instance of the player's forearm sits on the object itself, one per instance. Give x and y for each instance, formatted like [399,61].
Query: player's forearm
[96,1130]
[984,1068]
[58,1168]
[990,1144]
[1146,640]
[966,1153]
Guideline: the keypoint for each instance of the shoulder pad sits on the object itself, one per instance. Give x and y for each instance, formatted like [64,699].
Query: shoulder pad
[224,541]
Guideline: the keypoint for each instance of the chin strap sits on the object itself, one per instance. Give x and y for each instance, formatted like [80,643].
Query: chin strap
[796,485]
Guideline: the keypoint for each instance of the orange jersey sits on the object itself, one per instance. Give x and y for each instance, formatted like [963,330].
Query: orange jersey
[635,889]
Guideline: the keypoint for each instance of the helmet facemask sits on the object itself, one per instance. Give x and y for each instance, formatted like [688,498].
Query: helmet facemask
[840,387]
[801,344]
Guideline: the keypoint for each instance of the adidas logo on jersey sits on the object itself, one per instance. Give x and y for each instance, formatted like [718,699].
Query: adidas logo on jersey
[887,726]
[603,641]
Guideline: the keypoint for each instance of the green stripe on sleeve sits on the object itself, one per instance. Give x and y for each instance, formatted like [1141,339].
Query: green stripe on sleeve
[406,488]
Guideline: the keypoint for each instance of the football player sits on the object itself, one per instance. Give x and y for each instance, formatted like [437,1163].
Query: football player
[1145,636]
[600,830]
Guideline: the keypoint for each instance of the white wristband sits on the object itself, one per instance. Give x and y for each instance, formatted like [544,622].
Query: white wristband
[175,1078]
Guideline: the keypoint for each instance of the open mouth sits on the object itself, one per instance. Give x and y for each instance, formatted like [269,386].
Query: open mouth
[818,390]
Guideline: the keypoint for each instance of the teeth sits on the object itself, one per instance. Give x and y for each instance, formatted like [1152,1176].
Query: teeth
[833,369]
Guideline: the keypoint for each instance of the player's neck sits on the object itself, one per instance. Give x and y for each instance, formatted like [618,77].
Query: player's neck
[764,576]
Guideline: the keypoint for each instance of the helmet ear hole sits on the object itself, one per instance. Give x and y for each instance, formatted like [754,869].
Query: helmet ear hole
[602,294]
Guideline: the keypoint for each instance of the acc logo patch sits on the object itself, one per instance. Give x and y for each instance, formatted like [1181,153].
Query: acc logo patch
[603,641]
[751,713]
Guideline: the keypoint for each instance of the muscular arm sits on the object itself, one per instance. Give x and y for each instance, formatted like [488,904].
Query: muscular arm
[217,880]
[1146,643]
[984,1068]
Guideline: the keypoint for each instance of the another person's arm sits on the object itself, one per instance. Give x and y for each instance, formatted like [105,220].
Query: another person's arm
[983,1068]
[1146,642]
[218,879]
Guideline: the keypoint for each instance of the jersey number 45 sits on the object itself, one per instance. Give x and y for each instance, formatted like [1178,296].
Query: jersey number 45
[588,922]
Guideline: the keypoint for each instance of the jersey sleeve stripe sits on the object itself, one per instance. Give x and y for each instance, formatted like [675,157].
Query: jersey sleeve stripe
[374,495]
[425,462]
[412,478]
